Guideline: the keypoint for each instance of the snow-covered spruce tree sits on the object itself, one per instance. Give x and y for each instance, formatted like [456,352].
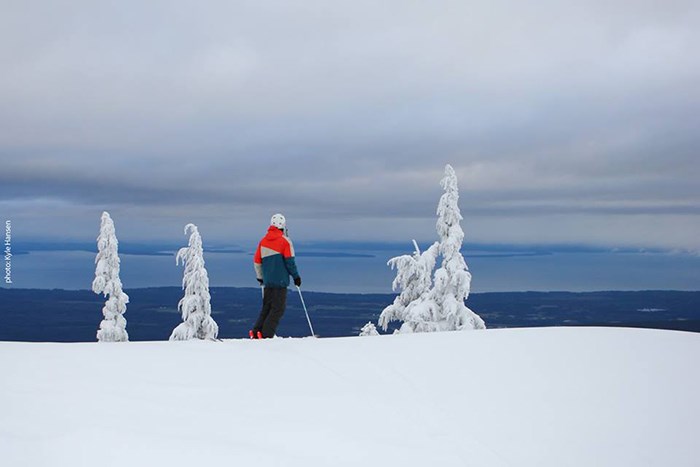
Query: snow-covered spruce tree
[452,282]
[195,305]
[107,282]
[414,278]
[428,302]
[369,330]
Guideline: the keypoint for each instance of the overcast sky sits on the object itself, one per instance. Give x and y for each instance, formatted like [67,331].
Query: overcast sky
[567,122]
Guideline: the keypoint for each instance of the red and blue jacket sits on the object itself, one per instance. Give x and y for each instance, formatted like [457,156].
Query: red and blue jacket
[274,259]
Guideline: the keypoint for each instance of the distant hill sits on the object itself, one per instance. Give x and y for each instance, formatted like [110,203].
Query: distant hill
[73,316]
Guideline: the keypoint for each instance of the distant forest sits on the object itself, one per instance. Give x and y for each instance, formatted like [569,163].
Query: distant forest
[40,315]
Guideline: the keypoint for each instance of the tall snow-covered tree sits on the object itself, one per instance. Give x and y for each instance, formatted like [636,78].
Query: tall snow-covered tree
[107,282]
[195,305]
[452,282]
[435,302]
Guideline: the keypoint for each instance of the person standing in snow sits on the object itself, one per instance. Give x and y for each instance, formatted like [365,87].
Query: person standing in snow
[274,263]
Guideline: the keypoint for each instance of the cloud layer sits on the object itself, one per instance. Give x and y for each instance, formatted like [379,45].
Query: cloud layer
[565,123]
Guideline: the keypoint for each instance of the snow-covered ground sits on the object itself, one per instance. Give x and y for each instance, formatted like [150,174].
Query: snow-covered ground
[526,397]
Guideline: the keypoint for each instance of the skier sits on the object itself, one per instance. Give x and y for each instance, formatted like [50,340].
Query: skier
[274,263]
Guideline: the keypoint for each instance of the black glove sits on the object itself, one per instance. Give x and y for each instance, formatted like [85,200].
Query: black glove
[297,281]
[260,281]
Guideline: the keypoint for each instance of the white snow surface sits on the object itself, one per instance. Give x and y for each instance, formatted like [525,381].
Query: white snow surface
[516,397]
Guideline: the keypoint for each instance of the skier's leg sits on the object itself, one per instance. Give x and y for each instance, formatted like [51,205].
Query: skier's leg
[265,311]
[279,302]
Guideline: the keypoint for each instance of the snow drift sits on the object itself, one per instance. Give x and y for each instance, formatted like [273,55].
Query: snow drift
[525,397]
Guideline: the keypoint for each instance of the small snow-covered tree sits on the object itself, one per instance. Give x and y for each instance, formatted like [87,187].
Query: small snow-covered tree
[107,282]
[369,330]
[414,279]
[428,302]
[195,304]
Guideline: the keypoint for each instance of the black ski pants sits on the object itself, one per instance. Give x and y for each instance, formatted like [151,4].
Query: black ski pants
[274,302]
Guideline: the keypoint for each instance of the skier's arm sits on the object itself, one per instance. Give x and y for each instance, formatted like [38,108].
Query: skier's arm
[289,261]
[257,264]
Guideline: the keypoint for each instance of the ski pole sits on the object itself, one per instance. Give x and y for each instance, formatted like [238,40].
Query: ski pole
[305,311]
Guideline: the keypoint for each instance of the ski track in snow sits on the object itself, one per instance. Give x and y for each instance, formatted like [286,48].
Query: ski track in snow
[507,397]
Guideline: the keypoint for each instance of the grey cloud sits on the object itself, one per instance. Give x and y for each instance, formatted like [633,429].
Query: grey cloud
[351,111]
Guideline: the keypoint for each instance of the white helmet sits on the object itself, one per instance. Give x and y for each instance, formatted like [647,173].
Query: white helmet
[278,221]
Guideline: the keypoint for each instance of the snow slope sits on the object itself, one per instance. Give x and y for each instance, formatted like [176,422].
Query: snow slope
[520,397]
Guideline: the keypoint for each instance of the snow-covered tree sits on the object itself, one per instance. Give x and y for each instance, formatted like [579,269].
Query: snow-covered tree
[452,280]
[107,282]
[195,305]
[369,330]
[414,279]
[428,302]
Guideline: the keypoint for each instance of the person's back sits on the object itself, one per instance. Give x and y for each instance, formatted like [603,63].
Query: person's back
[274,262]
[274,259]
